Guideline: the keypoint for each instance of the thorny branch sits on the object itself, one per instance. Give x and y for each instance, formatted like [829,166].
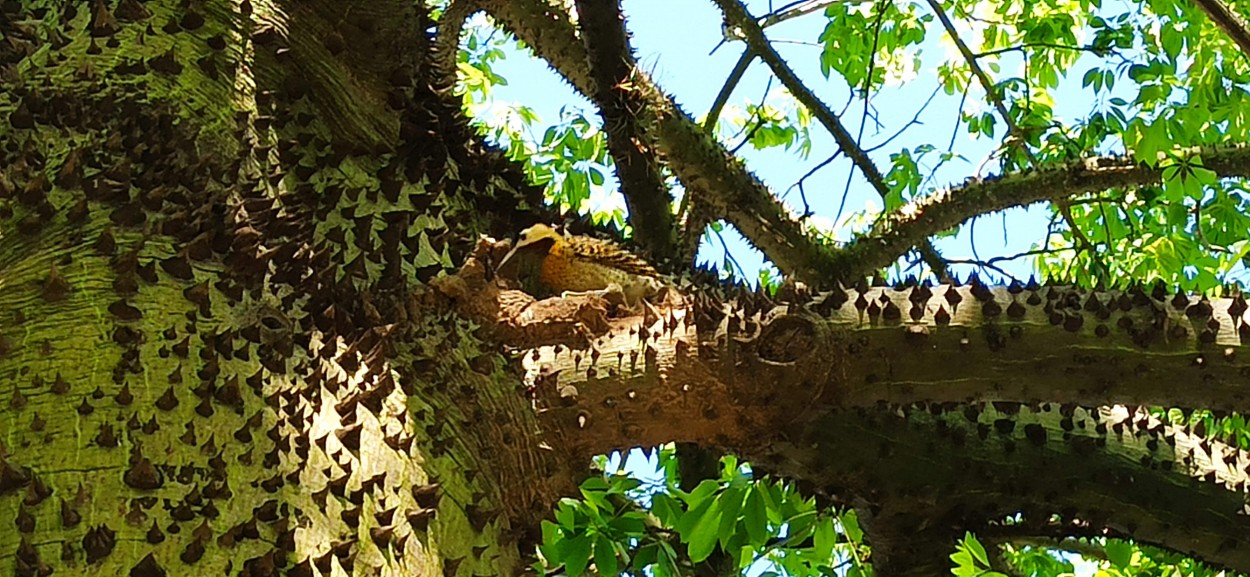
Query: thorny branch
[612,66]
[1228,21]
[949,207]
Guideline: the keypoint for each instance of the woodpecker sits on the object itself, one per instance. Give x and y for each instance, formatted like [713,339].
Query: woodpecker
[580,264]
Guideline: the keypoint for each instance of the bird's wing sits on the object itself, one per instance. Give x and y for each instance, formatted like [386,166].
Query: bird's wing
[611,255]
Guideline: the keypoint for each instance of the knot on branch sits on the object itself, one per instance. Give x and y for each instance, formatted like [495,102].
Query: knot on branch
[787,338]
[788,363]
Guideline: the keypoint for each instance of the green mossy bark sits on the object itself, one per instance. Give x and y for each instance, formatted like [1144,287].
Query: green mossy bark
[217,350]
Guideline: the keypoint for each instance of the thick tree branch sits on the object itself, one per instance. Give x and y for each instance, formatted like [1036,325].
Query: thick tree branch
[612,67]
[737,16]
[922,448]
[949,207]
[721,181]
[936,474]
[1229,21]
[939,403]
[447,38]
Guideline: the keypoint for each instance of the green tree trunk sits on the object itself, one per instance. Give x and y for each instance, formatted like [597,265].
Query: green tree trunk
[215,222]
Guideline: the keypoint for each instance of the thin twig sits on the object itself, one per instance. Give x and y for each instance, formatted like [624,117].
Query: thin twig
[987,84]
[737,15]
[728,255]
[1014,131]
[722,97]
[796,9]
[915,120]
[799,183]
[759,119]
[998,259]
[1028,45]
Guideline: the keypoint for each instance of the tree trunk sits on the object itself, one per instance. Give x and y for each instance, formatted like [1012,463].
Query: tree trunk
[215,220]
[248,325]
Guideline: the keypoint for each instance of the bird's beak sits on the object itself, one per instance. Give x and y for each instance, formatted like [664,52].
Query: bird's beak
[507,257]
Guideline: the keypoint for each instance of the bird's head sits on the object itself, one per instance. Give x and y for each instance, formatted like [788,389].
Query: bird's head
[537,234]
[536,237]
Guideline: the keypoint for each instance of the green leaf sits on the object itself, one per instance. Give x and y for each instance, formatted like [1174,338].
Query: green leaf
[632,523]
[755,517]
[552,548]
[825,536]
[976,549]
[1091,76]
[706,489]
[1119,553]
[594,483]
[646,556]
[850,526]
[667,566]
[702,537]
[666,509]
[566,513]
[605,556]
[685,526]
[577,555]
[964,564]
[729,503]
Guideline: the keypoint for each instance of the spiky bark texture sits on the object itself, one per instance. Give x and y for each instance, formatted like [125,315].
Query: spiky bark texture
[248,327]
[215,223]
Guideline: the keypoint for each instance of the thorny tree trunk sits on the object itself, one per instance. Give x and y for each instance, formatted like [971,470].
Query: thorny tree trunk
[247,327]
[216,357]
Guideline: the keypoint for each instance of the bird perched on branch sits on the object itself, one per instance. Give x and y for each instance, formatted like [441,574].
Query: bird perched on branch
[580,264]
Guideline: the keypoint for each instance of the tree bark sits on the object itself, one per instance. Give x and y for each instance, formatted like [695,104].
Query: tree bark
[215,225]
